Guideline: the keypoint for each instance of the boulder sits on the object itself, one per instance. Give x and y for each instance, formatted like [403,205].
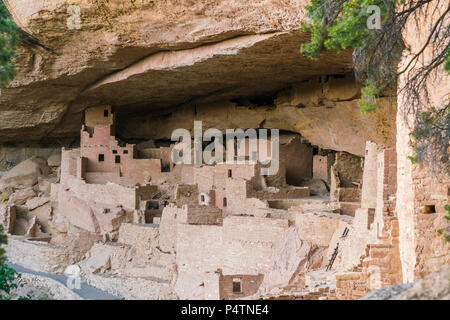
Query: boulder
[110,219]
[316,186]
[99,261]
[107,256]
[36,202]
[435,286]
[90,216]
[21,196]
[54,160]
[44,184]
[32,227]
[25,174]
[5,194]
[43,216]
[60,224]
[77,212]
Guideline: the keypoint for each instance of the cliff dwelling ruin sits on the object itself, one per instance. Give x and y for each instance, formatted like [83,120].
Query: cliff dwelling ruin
[88,178]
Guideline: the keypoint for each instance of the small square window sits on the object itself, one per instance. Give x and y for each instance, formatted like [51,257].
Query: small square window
[114,151]
[237,285]
[430,209]
[125,151]
[106,113]
[117,159]
[153,205]
[101,157]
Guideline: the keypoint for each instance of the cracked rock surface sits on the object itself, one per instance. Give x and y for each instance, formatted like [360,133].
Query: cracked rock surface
[150,56]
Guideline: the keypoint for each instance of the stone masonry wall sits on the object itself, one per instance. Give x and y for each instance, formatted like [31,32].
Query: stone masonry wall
[422,252]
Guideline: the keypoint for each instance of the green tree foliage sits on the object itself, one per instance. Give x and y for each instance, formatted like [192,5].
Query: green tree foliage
[336,25]
[445,233]
[8,276]
[8,41]
[341,24]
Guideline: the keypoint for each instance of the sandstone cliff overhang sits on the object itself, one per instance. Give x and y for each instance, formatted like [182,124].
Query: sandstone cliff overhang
[150,56]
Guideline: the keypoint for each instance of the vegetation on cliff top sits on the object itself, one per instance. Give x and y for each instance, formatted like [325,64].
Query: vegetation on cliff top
[378,47]
[8,41]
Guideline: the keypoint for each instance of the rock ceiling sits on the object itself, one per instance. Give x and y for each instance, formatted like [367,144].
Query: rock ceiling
[150,57]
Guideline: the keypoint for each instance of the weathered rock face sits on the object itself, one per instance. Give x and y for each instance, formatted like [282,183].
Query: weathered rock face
[418,187]
[323,110]
[435,286]
[291,256]
[25,174]
[150,55]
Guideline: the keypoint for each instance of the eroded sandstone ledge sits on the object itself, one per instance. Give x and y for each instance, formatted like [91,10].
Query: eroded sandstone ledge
[146,57]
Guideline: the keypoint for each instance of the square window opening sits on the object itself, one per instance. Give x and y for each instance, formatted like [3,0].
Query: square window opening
[101,157]
[430,209]
[117,159]
[237,285]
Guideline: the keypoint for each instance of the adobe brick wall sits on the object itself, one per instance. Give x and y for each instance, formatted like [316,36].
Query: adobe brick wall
[199,247]
[284,193]
[199,250]
[248,243]
[318,229]
[40,256]
[144,238]
[118,163]
[422,252]
[249,286]
[349,168]
[168,227]
[297,159]
[95,116]
[204,215]
[8,217]
[348,194]
[204,177]
[110,193]
[431,251]
[242,246]
[378,235]
[69,163]
[186,194]
[370,181]
[320,168]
